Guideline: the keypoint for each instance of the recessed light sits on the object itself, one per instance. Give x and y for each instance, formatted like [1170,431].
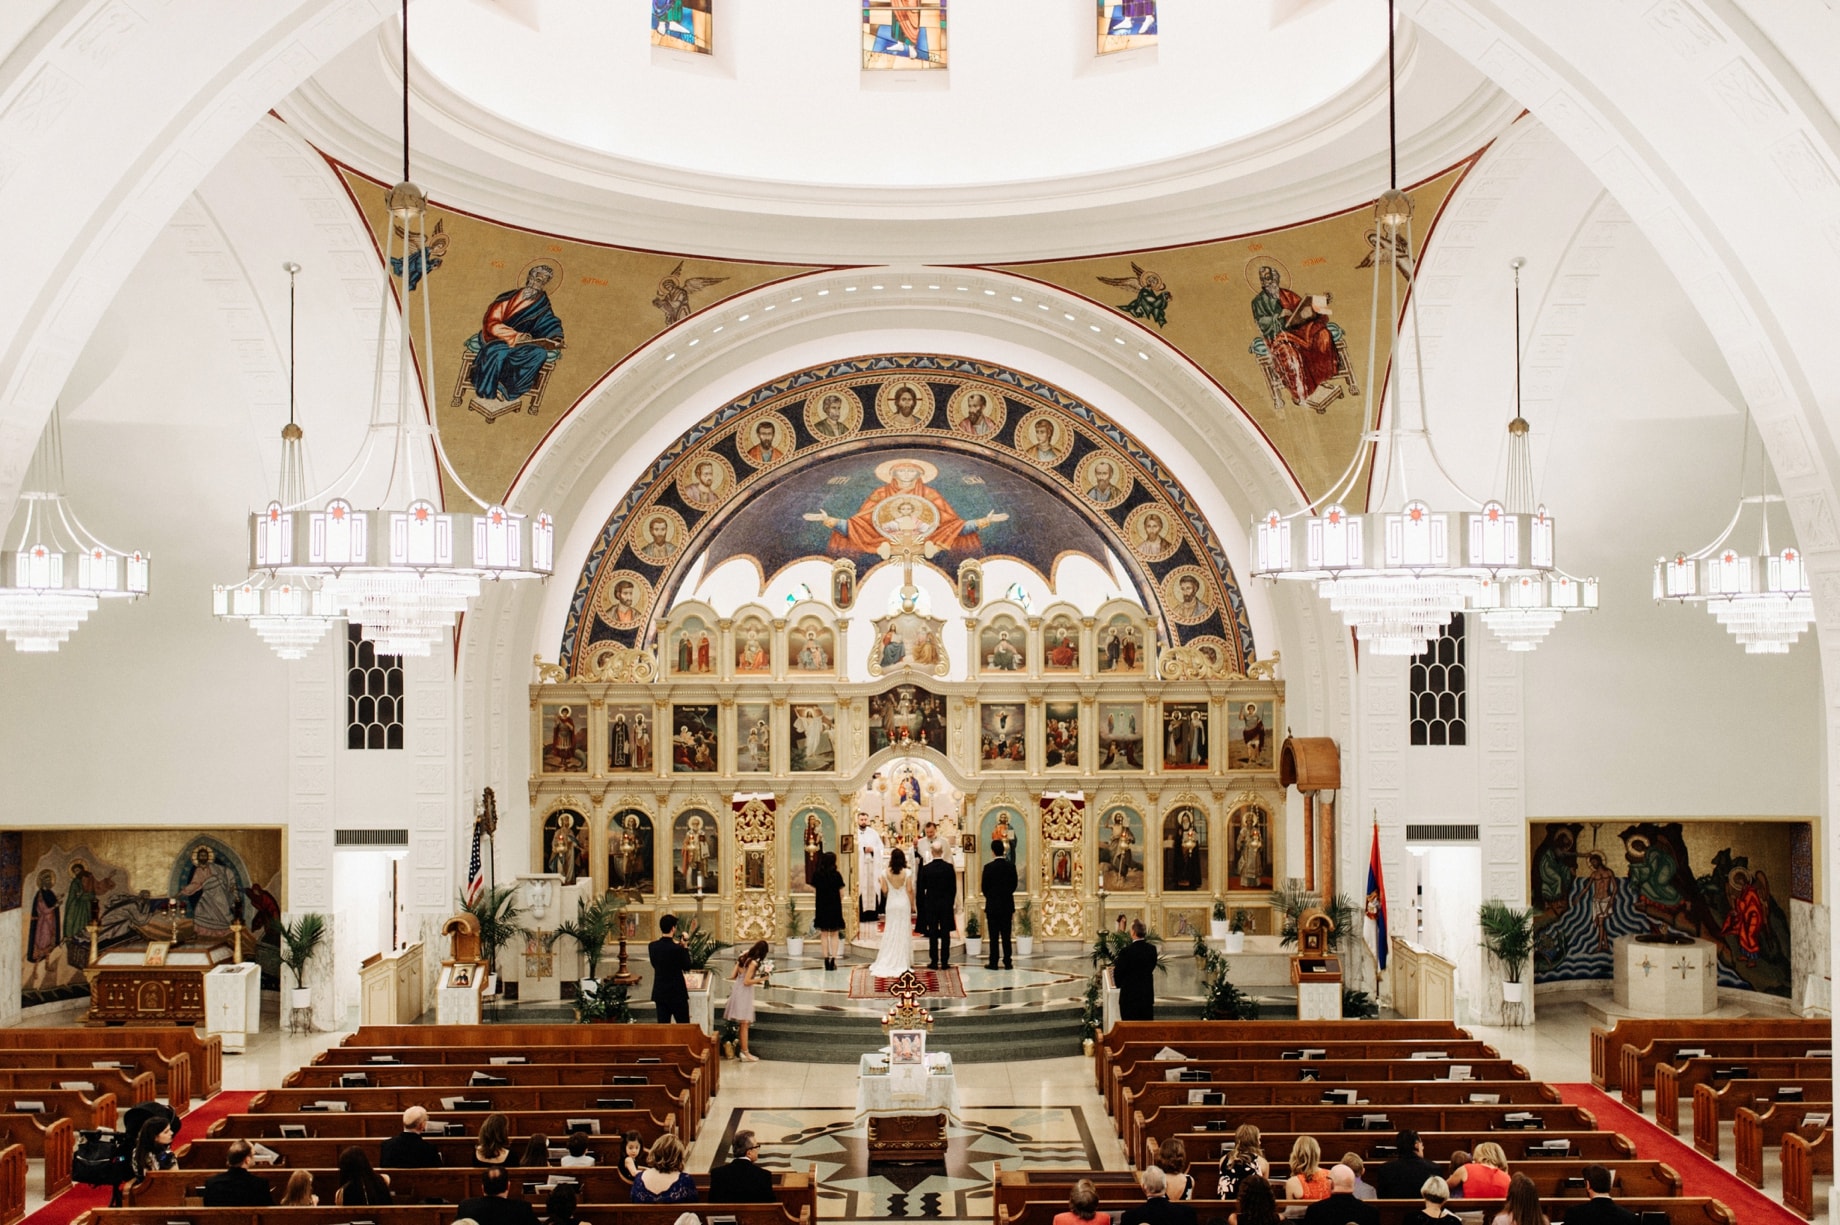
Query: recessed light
[719,328]
[932,287]
[907,287]
[1069,317]
[962,288]
[821,293]
[743,319]
[771,305]
[849,289]
[1119,339]
[990,293]
[669,356]
[875,287]
[1014,298]
[1095,327]
[1042,306]
[1143,355]
[695,343]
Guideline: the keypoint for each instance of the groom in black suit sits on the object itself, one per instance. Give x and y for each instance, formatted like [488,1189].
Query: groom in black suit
[999,887]
[935,893]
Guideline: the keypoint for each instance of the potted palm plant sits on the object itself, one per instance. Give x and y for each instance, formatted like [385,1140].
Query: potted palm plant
[1025,928]
[974,947]
[1507,934]
[594,924]
[1237,927]
[300,941]
[497,912]
[795,929]
[1217,920]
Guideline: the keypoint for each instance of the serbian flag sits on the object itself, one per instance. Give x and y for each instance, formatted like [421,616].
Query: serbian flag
[1376,901]
[475,871]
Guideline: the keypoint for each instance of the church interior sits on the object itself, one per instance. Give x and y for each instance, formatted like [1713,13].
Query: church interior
[550,546]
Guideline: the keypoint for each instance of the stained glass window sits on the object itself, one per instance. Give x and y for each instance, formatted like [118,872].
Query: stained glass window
[683,24]
[1124,24]
[904,33]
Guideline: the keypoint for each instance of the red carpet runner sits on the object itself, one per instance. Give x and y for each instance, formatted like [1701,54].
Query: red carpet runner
[80,1199]
[1698,1176]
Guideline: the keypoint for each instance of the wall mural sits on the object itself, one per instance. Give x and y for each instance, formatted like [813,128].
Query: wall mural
[126,881]
[1723,881]
[964,461]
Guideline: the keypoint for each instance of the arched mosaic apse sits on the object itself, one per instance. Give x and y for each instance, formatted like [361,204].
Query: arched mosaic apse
[982,461]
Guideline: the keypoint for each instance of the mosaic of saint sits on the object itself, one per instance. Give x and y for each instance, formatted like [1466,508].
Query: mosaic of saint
[903,34]
[686,25]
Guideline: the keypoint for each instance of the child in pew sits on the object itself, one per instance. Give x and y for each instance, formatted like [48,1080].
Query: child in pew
[579,1154]
[536,1152]
[559,1209]
[299,1191]
[632,1154]
[1523,1202]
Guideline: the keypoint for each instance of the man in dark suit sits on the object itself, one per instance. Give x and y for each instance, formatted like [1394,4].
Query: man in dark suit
[1134,974]
[999,888]
[1600,1209]
[236,1187]
[742,1180]
[496,1207]
[1342,1208]
[935,895]
[669,961]
[1157,1209]
[1402,1177]
[410,1150]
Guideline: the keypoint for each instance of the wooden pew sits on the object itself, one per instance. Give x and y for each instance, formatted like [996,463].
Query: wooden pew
[85,1113]
[1755,1129]
[1313,1033]
[524,1123]
[459,1074]
[510,1099]
[322,1152]
[1588,1144]
[1323,1119]
[426,1214]
[518,1038]
[1673,1079]
[172,1074]
[1372,1097]
[52,1142]
[1679,1210]
[1802,1159]
[1647,1063]
[129,1089]
[1136,1068]
[605,1184]
[1607,1044]
[206,1054]
[1713,1104]
[12,1184]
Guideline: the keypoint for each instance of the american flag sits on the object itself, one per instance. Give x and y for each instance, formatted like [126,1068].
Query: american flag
[475,870]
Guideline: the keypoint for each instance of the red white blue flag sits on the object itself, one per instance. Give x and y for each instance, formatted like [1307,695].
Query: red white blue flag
[1376,901]
[475,871]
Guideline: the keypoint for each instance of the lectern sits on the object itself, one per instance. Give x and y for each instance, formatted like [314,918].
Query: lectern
[1315,971]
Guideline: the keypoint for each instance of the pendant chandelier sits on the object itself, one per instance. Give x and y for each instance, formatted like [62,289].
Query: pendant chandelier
[391,559]
[1522,609]
[290,615]
[1398,571]
[57,571]
[1761,598]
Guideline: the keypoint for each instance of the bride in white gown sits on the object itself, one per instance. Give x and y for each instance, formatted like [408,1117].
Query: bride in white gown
[897,945]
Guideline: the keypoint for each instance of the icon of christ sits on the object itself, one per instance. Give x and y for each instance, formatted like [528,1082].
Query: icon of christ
[920,516]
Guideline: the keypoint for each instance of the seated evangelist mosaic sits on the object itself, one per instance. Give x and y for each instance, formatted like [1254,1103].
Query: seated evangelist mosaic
[896,600]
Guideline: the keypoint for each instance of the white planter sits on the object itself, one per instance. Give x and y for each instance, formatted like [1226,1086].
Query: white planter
[974,946]
[301,998]
[1235,942]
[1025,945]
[1513,993]
[1217,929]
[795,948]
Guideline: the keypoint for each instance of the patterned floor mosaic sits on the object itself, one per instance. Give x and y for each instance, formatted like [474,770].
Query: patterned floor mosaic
[849,1189]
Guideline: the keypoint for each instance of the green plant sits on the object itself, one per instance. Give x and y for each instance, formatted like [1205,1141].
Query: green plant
[1107,946]
[1025,919]
[1507,934]
[702,945]
[973,928]
[300,940]
[1358,1005]
[1242,920]
[797,925]
[594,924]
[497,912]
[1219,912]
[1220,999]
[1094,1010]
[604,1002]
[1200,950]
[1291,899]
[728,1032]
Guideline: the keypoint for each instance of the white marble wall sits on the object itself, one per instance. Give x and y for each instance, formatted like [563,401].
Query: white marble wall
[12,954]
[1810,959]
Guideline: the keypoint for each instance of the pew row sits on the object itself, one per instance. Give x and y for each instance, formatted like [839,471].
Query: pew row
[1588,1144]
[521,1038]
[1802,1159]
[460,1075]
[1679,1210]
[1173,1033]
[1138,1076]
[12,1184]
[1676,1051]
[1755,1129]
[349,1125]
[53,1143]
[1136,1068]
[1713,1104]
[1641,1032]
[206,1055]
[510,1099]
[427,1214]
[172,1074]
[1674,1079]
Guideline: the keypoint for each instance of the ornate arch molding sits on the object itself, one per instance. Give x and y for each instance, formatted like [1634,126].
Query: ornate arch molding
[1041,437]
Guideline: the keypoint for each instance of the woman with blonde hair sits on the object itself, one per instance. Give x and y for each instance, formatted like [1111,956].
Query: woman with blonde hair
[1523,1204]
[1247,1157]
[1308,1179]
[663,1180]
[299,1191]
[1435,1192]
[1486,1175]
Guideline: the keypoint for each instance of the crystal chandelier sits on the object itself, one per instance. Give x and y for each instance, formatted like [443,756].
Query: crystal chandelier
[1521,609]
[1397,573]
[58,572]
[400,565]
[289,615]
[1763,598]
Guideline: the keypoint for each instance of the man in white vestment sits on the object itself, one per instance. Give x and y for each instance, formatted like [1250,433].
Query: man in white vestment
[871,858]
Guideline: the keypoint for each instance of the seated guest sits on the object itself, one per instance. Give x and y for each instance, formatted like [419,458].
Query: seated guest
[1434,1193]
[1308,1179]
[1246,1158]
[1486,1175]
[494,1146]
[1341,1207]
[153,1147]
[664,1181]
[1256,1205]
[1458,1159]
[1523,1202]
[560,1208]
[1082,1204]
[1362,1191]
[358,1183]
[579,1154]
[495,1205]
[1600,1209]
[536,1152]
[1157,1208]
[1405,1174]
[410,1150]
[1172,1159]
[742,1180]
[299,1191]
[236,1187]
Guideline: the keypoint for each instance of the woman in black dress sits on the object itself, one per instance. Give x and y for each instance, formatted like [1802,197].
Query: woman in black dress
[828,885]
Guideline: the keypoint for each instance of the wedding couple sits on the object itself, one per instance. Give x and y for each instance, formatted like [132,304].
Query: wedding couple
[935,886]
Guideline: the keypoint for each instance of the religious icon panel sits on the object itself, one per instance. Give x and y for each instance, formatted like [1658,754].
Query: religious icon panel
[814,833]
[907,715]
[753,647]
[753,737]
[908,34]
[1185,735]
[1121,850]
[814,737]
[1001,746]
[1003,646]
[1004,824]
[565,740]
[1249,735]
[1185,867]
[1126,24]
[629,739]
[811,648]
[1121,645]
[686,25]
[697,866]
[1060,735]
[1249,832]
[629,851]
[565,844]
[1121,736]
[695,739]
[693,648]
[1060,645]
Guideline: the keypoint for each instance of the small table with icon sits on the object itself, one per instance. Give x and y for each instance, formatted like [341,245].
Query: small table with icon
[907,1097]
